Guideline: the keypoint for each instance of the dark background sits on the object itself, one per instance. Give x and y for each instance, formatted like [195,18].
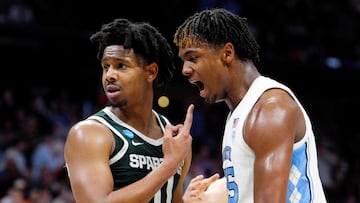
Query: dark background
[52,47]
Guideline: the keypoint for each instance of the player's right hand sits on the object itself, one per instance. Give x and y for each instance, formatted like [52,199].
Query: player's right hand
[178,140]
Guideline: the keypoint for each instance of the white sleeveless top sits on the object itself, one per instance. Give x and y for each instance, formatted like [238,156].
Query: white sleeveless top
[238,158]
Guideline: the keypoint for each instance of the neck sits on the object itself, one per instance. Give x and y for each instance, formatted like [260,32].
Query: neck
[138,116]
[241,82]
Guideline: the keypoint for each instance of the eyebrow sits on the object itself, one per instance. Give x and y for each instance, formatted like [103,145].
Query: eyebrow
[113,58]
[188,52]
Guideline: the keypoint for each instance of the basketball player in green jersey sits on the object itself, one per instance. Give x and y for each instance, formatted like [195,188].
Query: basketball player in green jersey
[128,152]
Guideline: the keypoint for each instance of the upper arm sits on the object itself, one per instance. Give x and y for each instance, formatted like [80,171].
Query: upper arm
[87,150]
[270,131]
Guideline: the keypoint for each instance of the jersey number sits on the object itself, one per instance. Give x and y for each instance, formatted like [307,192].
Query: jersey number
[231,185]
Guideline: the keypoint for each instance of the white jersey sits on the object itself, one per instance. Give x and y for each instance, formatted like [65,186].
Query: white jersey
[238,158]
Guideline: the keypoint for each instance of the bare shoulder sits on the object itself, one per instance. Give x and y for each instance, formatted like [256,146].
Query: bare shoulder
[88,131]
[88,136]
[87,151]
[277,98]
[275,107]
[274,117]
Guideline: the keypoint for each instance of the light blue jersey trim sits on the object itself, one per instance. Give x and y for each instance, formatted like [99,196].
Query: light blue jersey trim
[299,186]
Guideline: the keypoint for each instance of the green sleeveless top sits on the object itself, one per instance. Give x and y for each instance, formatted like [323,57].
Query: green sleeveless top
[136,155]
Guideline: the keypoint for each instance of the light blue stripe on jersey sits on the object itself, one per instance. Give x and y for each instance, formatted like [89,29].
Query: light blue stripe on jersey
[299,183]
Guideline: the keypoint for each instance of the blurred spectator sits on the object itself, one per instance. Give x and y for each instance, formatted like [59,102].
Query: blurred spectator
[48,155]
[13,165]
[16,193]
[40,194]
[14,159]
[333,170]
[17,12]
[8,106]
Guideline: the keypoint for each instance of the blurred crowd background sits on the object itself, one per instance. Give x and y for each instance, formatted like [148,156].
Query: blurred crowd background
[50,79]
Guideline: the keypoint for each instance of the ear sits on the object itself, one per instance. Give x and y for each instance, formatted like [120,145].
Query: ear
[151,71]
[227,53]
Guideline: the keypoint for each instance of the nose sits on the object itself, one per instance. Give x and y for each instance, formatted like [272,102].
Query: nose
[186,69]
[110,74]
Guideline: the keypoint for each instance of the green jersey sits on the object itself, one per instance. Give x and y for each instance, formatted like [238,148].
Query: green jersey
[135,155]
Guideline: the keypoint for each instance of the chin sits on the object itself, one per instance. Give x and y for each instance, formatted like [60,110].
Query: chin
[118,104]
[210,100]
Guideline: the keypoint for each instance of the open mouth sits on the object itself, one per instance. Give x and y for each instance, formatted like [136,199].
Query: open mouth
[199,84]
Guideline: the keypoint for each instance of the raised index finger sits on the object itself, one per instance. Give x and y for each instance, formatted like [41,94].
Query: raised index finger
[188,119]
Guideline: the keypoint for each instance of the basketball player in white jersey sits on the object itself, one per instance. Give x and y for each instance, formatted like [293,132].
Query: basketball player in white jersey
[269,150]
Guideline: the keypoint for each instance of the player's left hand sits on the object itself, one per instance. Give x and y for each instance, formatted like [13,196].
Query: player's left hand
[195,191]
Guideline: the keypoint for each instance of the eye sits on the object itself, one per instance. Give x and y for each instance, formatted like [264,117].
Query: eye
[192,58]
[121,66]
[105,66]
[118,66]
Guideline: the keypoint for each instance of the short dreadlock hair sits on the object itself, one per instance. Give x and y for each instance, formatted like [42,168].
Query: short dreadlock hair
[217,26]
[144,39]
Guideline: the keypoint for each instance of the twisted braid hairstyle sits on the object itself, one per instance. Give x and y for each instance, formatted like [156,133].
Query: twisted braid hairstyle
[217,26]
[144,39]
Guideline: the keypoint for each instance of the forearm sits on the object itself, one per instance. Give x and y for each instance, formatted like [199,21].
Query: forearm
[144,189]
